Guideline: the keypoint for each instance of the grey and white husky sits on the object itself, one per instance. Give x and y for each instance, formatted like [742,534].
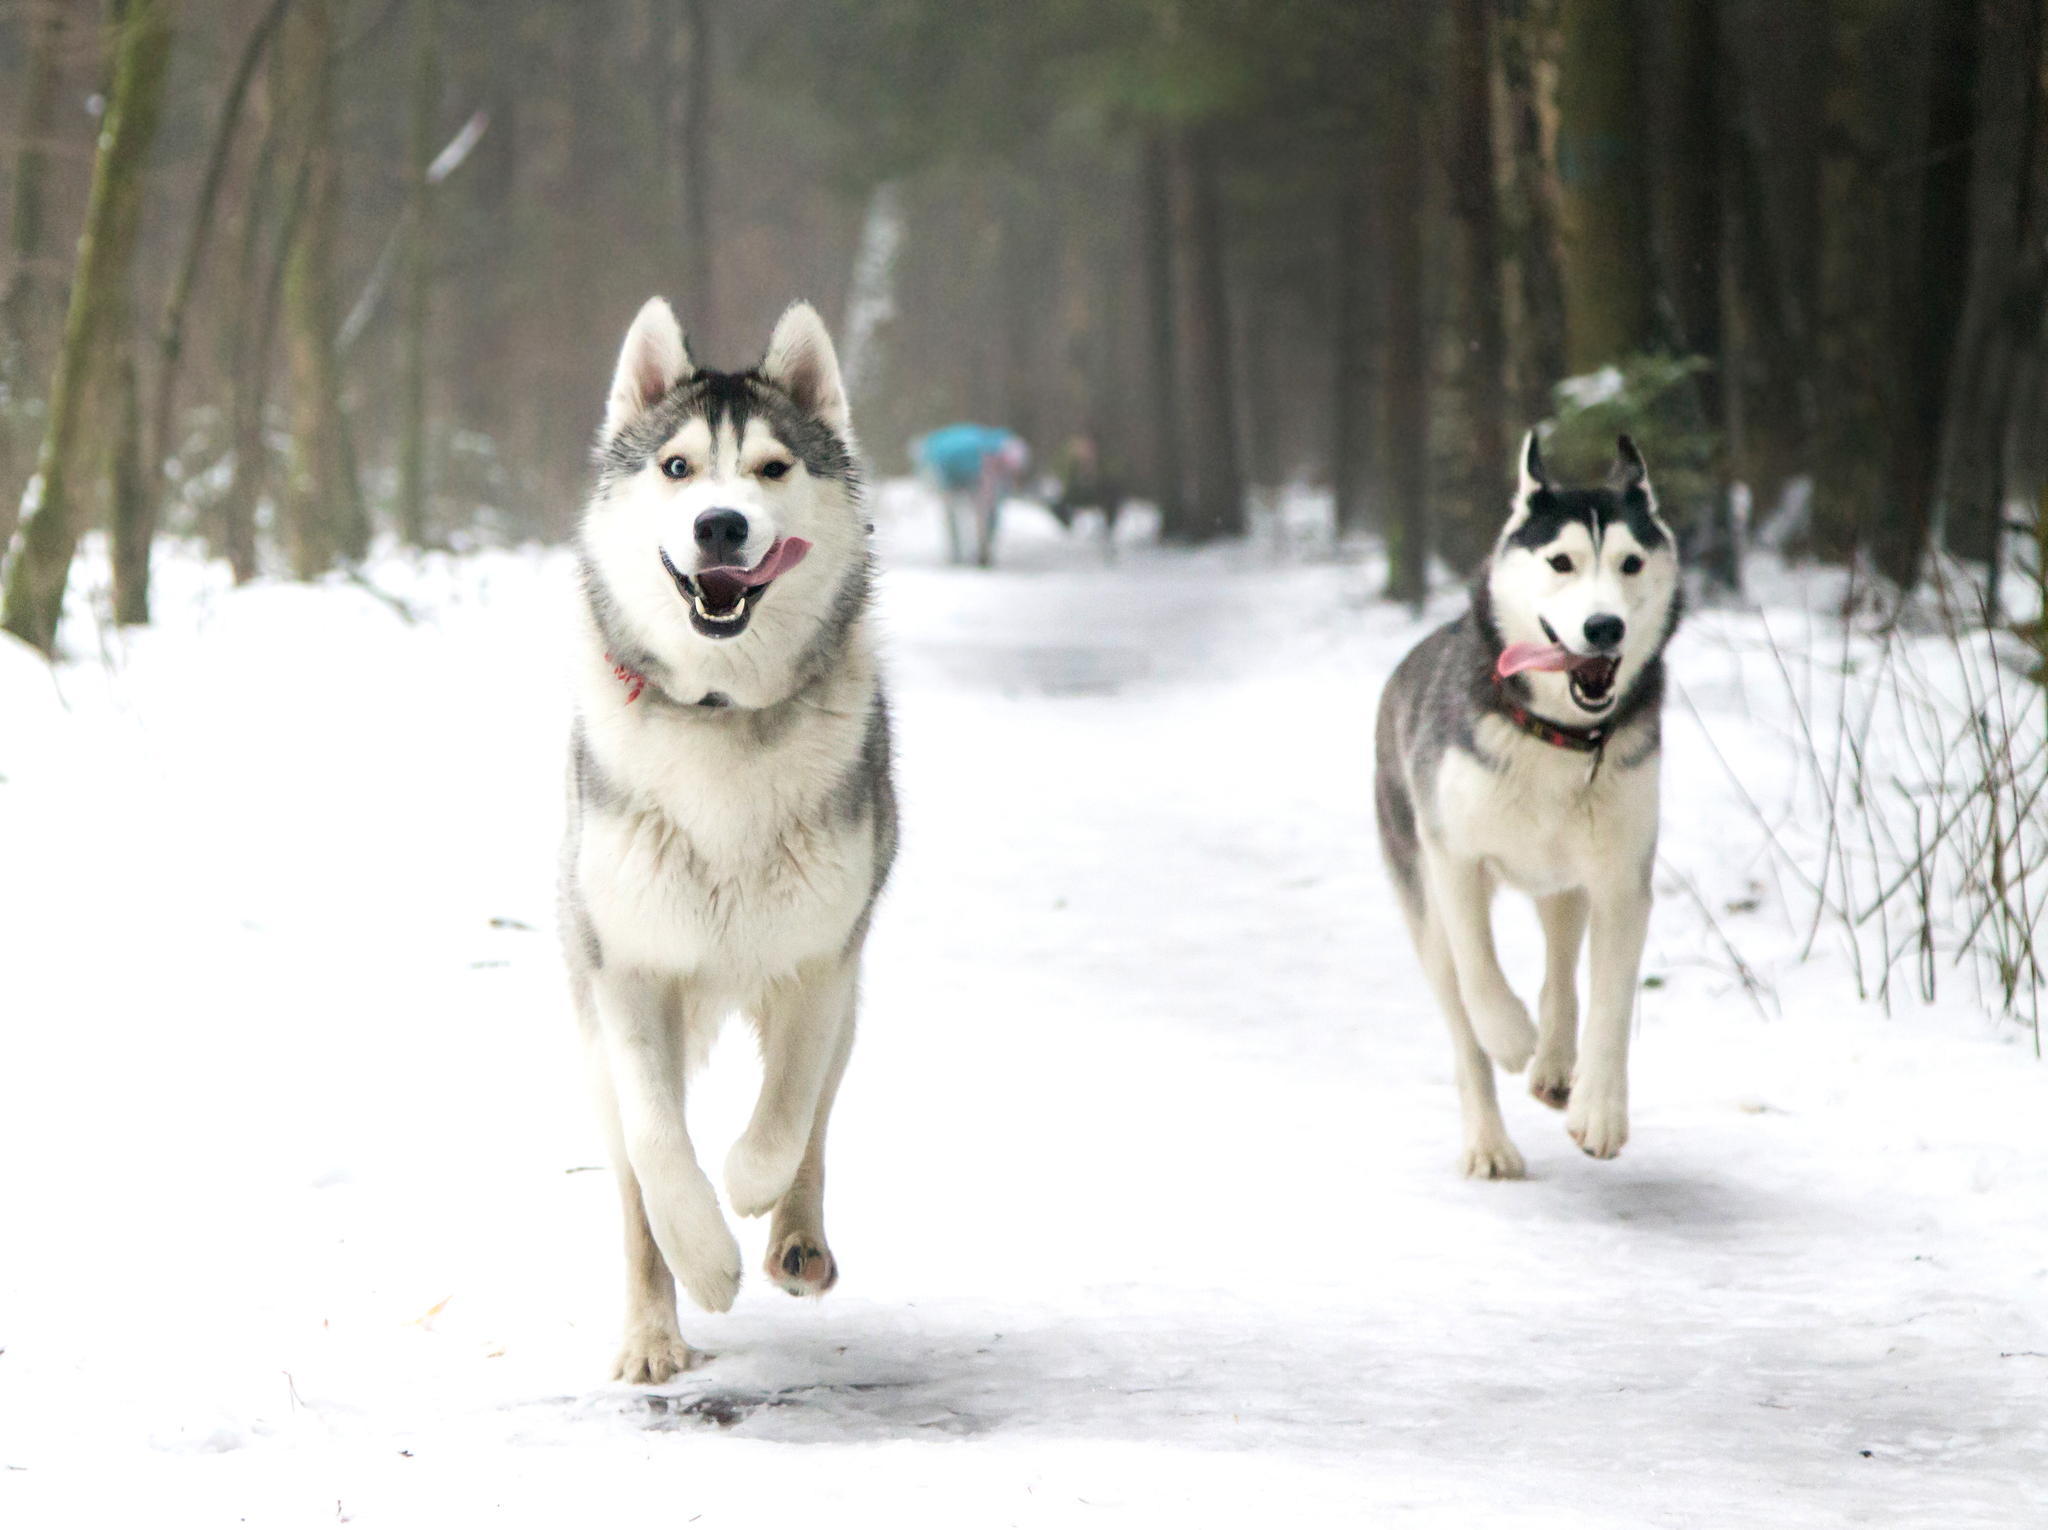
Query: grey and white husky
[731,815]
[1519,744]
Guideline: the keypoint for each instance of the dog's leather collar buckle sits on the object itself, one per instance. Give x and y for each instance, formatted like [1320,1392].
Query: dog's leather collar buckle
[1583,740]
[630,678]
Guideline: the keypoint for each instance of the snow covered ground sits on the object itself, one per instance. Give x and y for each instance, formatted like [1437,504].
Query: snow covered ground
[1142,1179]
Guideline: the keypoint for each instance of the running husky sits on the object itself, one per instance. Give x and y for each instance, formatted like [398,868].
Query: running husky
[1519,744]
[731,815]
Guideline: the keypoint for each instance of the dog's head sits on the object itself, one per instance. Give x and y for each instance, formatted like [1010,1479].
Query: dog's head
[1582,589]
[727,525]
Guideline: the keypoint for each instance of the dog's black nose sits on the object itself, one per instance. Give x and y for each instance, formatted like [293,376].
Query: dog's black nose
[720,536]
[1601,631]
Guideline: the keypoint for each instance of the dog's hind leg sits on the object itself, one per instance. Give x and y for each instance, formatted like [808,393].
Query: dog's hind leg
[1461,898]
[1488,1152]
[802,1021]
[1563,916]
[640,1020]
[799,1259]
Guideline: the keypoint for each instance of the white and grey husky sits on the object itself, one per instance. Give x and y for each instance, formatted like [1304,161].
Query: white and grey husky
[1519,744]
[731,815]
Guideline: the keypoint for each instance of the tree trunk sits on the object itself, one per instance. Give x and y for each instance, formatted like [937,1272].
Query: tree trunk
[26,297]
[158,446]
[413,490]
[37,575]
[1163,394]
[1352,436]
[1606,206]
[1683,49]
[1403,210]
[1466,537]
[1213,479]
[134,510]
[1528,53]
[1932,272]
[324,516]
[690,157]
[1992,330]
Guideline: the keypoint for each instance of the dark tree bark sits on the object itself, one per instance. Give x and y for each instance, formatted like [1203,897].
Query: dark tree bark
[26,295]
[1528,51]
[1608,309]
[133,510]
[1213,477]
[324,518]
[37,575]
[1682,50]
[2000,319]
[1164,393]
[413,488]
[1465,538]
[1352,436]
[1403,209]
[159,443]
[690,157]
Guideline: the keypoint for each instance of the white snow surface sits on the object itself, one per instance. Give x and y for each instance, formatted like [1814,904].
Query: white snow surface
[1143,1177]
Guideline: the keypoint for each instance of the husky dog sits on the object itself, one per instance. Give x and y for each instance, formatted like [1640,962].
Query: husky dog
[1519,744]
[731,815]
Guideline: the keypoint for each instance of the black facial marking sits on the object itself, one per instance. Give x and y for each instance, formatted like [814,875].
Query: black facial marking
[728,399]
[1551,510]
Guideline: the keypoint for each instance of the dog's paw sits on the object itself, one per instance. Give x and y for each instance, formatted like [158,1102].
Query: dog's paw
[1550,1080]
[652,1356]
[1504,1030]
[1492,1156]
[1598,1120]
[757,1178]
[711,1275]
[802,1264]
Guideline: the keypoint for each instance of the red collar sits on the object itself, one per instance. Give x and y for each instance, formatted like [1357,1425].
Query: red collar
[1584,740]
[632,679]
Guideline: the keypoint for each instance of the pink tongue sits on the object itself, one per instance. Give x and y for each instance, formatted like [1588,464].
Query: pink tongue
[726,583]
[1517,657]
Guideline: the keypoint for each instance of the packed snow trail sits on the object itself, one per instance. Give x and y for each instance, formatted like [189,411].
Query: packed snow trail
[1142,1179]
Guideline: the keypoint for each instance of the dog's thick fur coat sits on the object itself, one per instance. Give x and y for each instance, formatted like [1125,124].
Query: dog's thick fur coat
[731,812]
[1470,794]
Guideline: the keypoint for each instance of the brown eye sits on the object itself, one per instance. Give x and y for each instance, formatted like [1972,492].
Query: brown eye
[675,467]
[1561,563]
[1631,564]
[774,470]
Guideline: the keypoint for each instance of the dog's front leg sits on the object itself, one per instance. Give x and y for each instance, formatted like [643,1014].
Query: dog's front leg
[802,1022]
[1598,1115]
[1462,891]
[641,1016]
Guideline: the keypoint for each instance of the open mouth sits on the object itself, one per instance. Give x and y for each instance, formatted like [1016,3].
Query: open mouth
[722,598]
[1590,677]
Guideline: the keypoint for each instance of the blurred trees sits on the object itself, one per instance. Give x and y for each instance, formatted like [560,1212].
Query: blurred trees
[1238,246]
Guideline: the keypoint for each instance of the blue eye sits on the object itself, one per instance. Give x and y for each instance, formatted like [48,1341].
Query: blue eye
[675,467]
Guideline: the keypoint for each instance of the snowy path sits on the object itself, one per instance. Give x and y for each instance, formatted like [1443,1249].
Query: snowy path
[1143,1177]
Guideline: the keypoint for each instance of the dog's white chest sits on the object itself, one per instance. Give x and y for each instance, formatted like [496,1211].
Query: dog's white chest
[729,861]
[1545,821]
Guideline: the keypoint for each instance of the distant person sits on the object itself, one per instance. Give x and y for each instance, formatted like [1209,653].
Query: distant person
[1085,484]
[974,468]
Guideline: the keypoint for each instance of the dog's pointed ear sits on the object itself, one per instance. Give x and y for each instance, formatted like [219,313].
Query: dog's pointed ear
[1629,470]
[653,360]
[1530,477]
[802,363]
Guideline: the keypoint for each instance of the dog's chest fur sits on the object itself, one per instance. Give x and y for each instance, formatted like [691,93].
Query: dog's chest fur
[731,846]
[1544,818]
